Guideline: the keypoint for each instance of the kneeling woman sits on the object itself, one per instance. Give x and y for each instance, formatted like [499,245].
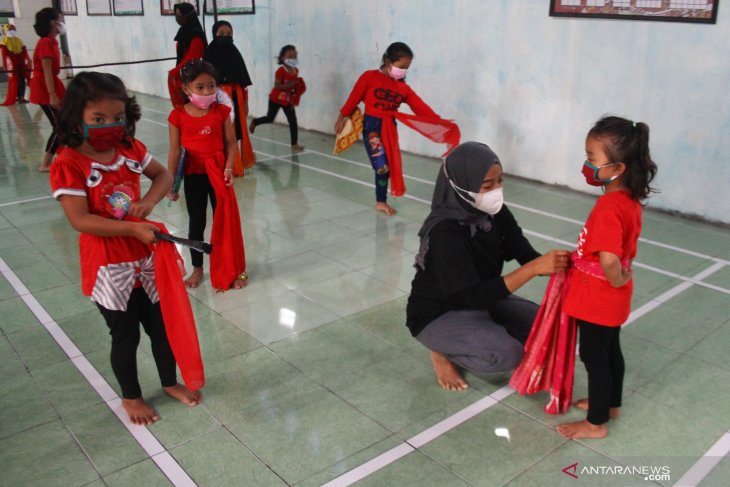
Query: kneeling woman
[461,307]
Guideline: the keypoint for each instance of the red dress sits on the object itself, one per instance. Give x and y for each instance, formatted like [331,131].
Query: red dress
[112,266]
[383,96]
[17,65]
[203,140]
[47,47]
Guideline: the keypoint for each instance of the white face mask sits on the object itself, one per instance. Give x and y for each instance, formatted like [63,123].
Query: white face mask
[490,202]
[61,28]
[292,63]
[10,33]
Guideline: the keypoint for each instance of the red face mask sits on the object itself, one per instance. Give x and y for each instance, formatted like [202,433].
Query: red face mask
[106,136]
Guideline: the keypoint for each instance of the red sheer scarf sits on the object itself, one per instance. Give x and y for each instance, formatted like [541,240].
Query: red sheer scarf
[245,157]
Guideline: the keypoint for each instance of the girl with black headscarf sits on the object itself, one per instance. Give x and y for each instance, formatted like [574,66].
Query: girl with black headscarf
[233,78]
[191,42]
[461,307]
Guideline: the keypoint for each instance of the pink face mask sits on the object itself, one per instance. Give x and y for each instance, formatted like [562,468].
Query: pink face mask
[201,101]
[397,73]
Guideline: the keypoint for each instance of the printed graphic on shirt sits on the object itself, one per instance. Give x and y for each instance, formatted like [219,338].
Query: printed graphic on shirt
[206,130]
[388,100]
[119,197]
[581,241]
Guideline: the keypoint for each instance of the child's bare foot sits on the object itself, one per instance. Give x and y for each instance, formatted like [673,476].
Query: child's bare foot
[184,395]
[385,208]
[241,281]
[195,278]
[582,429]
[140,412]
[582,404]
[251,127]
[447,374]
[297,148]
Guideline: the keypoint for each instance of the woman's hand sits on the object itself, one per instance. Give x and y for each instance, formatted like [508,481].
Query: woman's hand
[552,262]
[228,176]
[145,232]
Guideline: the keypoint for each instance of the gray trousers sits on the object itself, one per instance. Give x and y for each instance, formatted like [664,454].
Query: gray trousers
[483,342]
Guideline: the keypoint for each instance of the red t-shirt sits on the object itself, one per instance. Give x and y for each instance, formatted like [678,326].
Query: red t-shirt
[613,226]
[109,189]
[202,137]
[383,94]
[47,47]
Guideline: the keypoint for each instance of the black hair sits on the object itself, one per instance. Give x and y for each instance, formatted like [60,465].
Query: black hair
[89,86]
[396,51]
[628,142]
[282,52]
[194,68]
[43,19]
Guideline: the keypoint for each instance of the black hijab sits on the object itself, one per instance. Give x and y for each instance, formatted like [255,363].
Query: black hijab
[466,167]
[190,29]
[227,60]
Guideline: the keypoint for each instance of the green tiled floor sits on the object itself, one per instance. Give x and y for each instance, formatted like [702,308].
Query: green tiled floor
[310,370]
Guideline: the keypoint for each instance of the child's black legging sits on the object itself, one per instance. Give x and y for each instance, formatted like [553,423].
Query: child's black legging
[197,192]
[291,117]
[600,352]
[124,330]
[52,114]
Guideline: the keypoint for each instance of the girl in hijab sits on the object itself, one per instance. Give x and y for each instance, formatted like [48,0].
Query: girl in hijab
[233,78]
[461,307]
[17,62]
[191,41]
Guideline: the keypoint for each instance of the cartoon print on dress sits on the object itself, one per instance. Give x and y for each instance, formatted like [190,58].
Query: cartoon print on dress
[377,154]
[120,200]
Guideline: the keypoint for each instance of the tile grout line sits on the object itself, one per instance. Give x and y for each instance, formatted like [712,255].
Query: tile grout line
[149,443]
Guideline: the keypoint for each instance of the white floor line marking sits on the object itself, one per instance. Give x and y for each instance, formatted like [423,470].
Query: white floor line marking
[366,469]
[526,232]
[144,436]
[706,463]
[515,205]
[29,200]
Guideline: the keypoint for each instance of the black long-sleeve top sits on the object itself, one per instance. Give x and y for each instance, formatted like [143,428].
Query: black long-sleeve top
[465,272]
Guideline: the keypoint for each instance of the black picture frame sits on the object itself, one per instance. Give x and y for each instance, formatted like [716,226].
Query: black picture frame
[68,7]
[691,11]
[107,13]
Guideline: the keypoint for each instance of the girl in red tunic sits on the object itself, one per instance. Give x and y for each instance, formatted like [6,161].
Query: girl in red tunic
[17,61]
[96,179]
[203,128]
[46,88]
[288,89]
[618,160]
[190,44]
[383,90]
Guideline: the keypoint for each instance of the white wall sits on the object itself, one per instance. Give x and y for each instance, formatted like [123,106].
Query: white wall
[527,84]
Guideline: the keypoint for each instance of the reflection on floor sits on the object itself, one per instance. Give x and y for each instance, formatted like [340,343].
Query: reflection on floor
[311,371]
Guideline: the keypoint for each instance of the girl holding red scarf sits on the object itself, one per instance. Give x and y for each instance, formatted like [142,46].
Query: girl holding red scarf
[131,280]
[383,90]
[203,128]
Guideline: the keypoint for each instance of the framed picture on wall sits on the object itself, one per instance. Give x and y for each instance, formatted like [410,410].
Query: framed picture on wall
[7,9]
[701,11]
[231,7]
[128,7]
[98,7]
[68,7]
[167,7]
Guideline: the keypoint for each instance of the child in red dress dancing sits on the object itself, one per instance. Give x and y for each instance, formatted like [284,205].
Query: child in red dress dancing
[96,179]
[618,160]
[203,127]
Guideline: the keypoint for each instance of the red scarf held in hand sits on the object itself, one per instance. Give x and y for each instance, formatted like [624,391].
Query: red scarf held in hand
[176,311]
[228,259]
[436,129]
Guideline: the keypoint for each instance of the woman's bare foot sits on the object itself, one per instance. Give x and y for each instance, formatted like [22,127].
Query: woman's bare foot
[184,395]
[582,404]
[195,278]
[385,208]
[447,374]
[297,148]
[140,412]
[582,429]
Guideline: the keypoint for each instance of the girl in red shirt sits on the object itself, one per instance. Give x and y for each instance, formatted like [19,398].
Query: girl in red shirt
[288,89]
[190,44]
[46,88]
[383,90]
[203,128]
[599,295]
[96,178]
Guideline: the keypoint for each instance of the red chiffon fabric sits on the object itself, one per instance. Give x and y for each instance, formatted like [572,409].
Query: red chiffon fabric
[436,129]
[549,360]
[245,157]
[228,259]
